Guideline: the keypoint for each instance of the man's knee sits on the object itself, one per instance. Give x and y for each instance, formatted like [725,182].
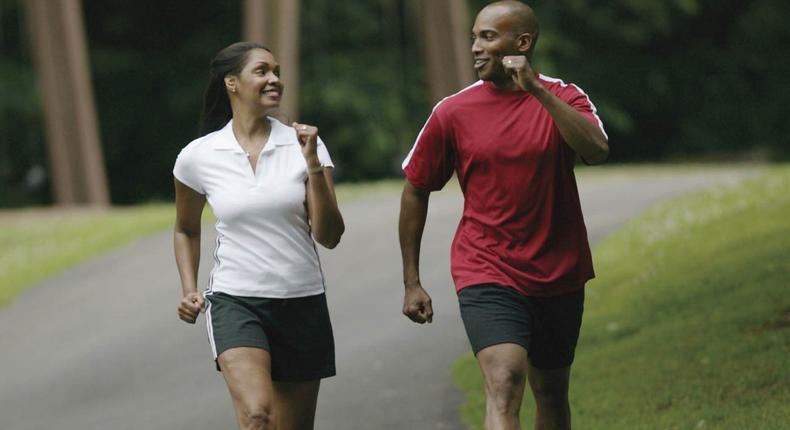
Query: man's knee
[551,391]
[258,416]
[552,398]
[505,385]
[505,370]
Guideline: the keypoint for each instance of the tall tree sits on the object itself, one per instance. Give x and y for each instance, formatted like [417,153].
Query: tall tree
[77,164]
[446,51]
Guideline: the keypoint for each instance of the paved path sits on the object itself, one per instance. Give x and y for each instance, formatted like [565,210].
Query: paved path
[100,347]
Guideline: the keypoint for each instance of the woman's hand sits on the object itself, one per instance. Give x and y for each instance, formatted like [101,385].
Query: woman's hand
[308,138]
[191,305]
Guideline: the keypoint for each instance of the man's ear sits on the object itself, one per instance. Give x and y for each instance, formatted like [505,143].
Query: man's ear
[525,42]
[230,83]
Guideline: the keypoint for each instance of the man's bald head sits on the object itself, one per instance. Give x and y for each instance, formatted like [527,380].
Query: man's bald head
[501,29]
[521,17]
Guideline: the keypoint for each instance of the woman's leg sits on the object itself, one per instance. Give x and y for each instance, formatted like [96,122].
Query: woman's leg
[247,372]
[295,403]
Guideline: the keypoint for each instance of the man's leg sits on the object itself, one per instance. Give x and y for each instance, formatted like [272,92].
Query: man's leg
[247,372]
[505,367]
[550,389]
[556,330]
[295,403]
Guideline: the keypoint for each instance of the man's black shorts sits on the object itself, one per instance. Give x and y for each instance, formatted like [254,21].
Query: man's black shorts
[296,332]
[547,327]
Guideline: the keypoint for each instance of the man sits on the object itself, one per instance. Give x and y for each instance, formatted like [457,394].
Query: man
[520,257]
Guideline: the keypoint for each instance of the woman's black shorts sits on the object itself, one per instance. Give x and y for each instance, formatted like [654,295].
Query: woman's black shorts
[547,327]
[296,332]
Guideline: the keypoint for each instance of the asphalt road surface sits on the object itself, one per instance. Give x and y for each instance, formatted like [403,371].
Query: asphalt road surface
[101,347]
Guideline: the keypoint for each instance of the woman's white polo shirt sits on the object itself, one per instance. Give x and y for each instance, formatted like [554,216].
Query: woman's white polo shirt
[264,247]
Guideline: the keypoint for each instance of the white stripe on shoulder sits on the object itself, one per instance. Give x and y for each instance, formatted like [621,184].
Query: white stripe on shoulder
[408,157]
[550,79]
[592,106]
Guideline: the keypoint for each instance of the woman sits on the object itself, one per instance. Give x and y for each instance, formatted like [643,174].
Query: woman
[270,187]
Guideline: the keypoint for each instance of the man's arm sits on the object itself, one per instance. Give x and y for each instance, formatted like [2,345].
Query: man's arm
[583,136]
[413,212]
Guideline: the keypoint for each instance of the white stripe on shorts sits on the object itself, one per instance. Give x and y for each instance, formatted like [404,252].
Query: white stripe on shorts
[209,328]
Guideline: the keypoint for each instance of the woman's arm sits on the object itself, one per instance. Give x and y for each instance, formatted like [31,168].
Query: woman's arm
[325,218]
[186,243]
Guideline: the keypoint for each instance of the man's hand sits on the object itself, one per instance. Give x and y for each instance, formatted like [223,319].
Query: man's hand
[521,72]
[191,305]
[417,305]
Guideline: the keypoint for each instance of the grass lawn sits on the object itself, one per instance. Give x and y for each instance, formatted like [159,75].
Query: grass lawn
[36,244]
[688,323]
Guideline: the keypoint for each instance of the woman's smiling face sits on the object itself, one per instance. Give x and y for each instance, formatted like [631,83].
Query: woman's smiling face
[258,84]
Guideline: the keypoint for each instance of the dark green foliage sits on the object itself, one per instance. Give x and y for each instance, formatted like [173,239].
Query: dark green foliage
[362,84]
[23,158]
[150,67]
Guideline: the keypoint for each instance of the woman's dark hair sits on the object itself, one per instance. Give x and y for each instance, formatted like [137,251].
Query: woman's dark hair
[216,105]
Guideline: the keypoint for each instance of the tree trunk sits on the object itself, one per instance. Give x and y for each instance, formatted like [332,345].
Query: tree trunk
[446,46]
[60,57]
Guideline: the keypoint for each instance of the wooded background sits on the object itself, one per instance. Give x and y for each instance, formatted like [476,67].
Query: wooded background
[672,80]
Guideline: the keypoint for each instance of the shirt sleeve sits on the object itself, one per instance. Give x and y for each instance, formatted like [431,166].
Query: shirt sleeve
[579,100]
[186,170]
[431,162]
[323,154]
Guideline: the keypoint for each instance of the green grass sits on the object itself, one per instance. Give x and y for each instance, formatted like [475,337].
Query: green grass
[35,244]
[688,323]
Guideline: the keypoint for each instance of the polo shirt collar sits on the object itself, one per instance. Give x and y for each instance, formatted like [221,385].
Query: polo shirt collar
[225,140]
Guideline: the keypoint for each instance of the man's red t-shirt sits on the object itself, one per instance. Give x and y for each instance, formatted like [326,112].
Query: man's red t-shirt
[522,224]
